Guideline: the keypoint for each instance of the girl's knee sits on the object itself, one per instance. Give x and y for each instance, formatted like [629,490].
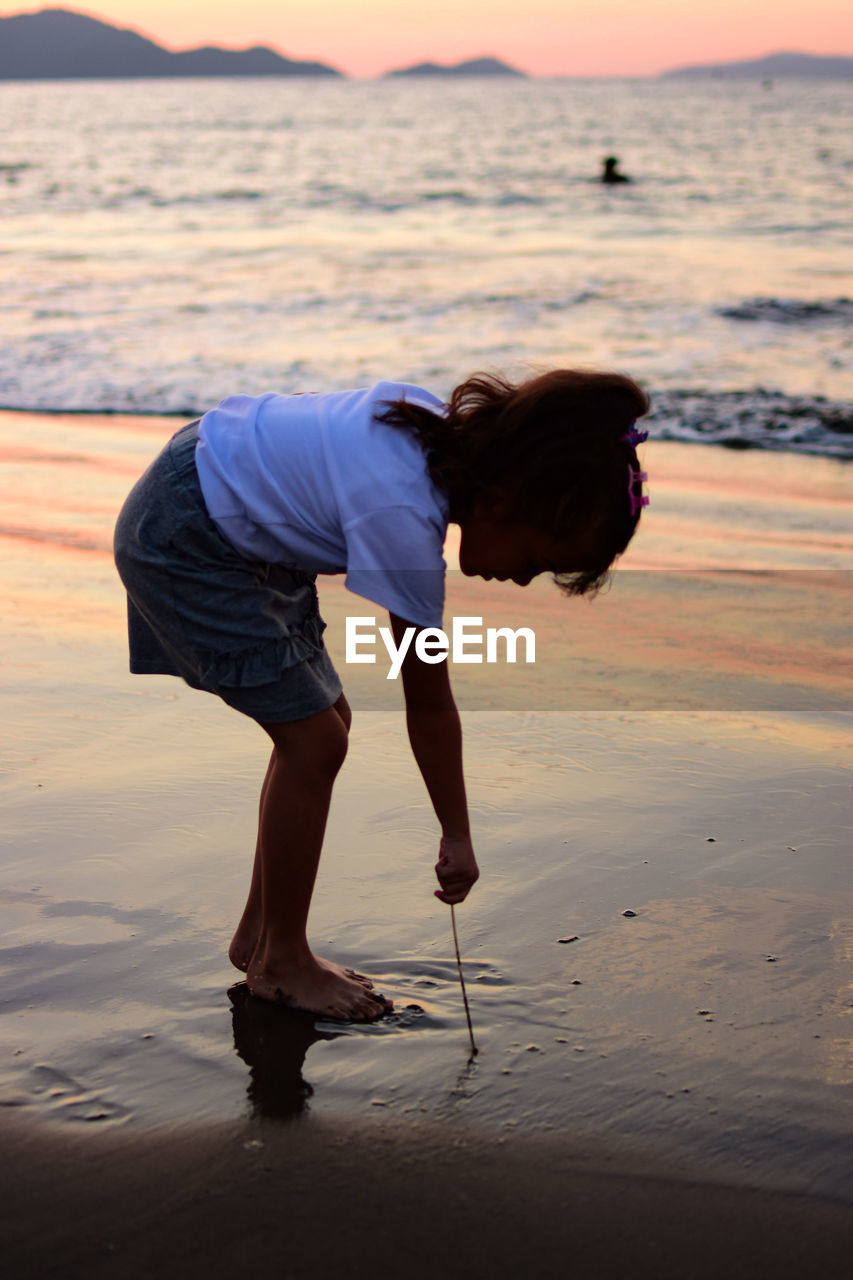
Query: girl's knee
[318,744]
[335,744]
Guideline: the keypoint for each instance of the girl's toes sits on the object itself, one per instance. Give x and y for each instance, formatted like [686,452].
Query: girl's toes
[379,1006]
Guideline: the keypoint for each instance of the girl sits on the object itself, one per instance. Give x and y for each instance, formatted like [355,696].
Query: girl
[220,542]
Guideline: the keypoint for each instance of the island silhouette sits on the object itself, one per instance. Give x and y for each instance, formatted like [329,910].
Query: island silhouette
[809,66]
[471,67]
[61,44]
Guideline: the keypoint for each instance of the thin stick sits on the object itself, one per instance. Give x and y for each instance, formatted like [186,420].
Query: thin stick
[462,980]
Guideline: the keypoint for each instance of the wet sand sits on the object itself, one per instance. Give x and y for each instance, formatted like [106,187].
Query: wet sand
[679,751]
[358,1199]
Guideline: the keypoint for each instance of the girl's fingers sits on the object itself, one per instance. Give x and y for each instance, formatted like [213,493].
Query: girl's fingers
[456,871]
[451,897]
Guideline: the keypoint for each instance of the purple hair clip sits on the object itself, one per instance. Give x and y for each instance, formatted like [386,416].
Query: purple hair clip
[635,482]
[634,437]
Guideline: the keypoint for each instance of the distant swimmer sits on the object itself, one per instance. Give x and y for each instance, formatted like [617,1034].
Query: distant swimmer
[610,171]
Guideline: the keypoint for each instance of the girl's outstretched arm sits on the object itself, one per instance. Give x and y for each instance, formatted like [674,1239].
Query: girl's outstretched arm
[436,737]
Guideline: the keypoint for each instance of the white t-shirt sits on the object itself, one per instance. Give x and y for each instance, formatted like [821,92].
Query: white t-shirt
[317,483]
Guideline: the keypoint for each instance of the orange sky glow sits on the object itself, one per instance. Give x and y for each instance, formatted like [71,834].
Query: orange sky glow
[542,37]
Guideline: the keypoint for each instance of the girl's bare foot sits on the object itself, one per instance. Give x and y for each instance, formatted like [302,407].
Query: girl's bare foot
[317,986]
[245,941]
[343,972]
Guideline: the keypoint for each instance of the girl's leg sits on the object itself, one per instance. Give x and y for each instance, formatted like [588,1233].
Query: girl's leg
[246,935]
[307,755]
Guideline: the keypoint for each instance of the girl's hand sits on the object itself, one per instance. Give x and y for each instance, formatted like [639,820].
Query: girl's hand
[456,869]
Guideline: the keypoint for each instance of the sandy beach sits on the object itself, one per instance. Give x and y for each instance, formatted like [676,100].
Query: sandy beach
[669,1090]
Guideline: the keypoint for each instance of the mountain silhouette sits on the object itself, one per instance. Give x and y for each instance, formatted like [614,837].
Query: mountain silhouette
[59,44]
[473,67]
[774,65]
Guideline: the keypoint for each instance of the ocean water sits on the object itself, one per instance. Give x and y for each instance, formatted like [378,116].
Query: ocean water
[165,244]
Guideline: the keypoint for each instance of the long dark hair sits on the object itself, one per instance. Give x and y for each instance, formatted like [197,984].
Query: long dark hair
[553,448]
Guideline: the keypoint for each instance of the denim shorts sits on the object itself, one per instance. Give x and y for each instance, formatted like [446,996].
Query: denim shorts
[248,631]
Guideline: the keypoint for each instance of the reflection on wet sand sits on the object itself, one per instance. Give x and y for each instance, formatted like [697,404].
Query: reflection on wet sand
[727,641]
[273,1042]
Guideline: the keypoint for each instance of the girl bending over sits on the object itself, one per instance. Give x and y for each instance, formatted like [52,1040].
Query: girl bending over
[220,543]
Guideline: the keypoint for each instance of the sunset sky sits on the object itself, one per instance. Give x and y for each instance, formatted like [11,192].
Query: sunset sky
[543,37]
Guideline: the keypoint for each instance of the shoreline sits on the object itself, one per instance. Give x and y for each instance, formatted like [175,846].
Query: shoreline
[691,408]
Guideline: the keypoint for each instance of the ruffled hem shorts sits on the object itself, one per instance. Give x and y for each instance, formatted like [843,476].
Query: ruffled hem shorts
[248,631]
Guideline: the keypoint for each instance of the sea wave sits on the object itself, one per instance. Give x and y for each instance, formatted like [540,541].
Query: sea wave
[757,419]
[791,310]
